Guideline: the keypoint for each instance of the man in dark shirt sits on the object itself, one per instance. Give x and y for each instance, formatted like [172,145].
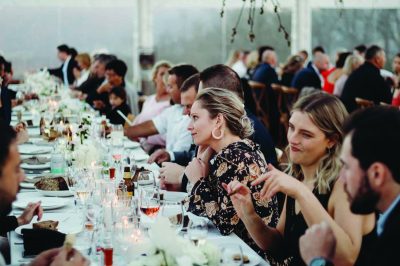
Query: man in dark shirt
[310,76]
[366,82]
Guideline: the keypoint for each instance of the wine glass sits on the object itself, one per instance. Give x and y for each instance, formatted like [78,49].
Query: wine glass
[174,212]
[231,254]
[146,180]
[197,231]
[149,202]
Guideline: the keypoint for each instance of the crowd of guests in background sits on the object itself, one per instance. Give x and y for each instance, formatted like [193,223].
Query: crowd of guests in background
[201,127]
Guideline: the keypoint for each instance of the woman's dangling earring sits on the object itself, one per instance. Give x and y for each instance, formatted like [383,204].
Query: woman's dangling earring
[221,135]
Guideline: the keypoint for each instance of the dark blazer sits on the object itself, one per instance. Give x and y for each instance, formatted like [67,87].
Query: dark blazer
[307,77]
[387,248]
[265,74]
[365,82]
[114,117]
[5,110]
[70,75]
[7,224]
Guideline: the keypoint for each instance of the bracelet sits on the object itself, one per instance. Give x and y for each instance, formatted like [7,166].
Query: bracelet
[320,261]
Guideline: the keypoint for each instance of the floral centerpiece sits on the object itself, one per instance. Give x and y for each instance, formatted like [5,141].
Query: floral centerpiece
[166,248]
[41,83]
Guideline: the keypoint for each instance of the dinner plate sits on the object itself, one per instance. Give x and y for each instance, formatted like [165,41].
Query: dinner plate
[46,203]
[131,144]
[57,193]
[174,196]
[33,131]
[32,149]
[35,166]
[141,157]
[27,185]
[254,259]
[67,227]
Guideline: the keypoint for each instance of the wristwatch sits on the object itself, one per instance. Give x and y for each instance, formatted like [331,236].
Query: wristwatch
[320,261]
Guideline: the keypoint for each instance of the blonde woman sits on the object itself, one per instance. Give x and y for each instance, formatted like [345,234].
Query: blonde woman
[154,105]
[352,63]
[219,122]
[312,188]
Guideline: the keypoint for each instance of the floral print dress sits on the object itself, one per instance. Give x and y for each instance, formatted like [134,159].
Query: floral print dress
[242,161]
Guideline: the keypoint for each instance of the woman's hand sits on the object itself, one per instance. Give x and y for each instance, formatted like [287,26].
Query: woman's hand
[196,170]
[241,198]
[276,181]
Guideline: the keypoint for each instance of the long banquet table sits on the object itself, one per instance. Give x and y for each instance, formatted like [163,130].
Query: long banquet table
[66,215]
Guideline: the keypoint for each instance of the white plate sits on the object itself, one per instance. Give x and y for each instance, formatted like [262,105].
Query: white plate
[141,157]
[23,117]
[66,227]
[174,196]
[40,142]
[35,166]
[27,185]
[59,193]
[131,144]
[33,131]
[32,149]
[47,203]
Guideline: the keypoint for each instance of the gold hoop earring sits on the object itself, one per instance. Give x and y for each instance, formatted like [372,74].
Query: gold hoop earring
[217,137]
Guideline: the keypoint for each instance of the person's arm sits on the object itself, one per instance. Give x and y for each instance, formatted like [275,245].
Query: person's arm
[317,245]
[141,130]
[7,224]
[346,226]
[266,237]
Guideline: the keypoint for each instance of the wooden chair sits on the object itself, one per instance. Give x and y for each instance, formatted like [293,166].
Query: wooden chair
[364,103]
[258,91]
[285,97]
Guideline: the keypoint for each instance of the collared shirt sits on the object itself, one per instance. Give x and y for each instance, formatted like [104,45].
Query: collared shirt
[174,125]
[65,71]
[385,215]
[319,75]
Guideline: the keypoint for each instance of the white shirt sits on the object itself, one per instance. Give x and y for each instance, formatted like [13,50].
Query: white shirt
[65,71]
[84,76]
[132,98]
[173,124]
[385,215]
[240,68]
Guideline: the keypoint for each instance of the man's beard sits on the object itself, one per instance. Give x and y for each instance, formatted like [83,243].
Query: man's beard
[366,199]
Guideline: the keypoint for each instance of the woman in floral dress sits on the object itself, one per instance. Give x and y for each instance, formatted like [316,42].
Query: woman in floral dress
[220,127]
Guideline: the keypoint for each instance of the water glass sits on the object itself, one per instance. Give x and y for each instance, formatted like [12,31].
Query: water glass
[174,212]
[231,254]
[197,232]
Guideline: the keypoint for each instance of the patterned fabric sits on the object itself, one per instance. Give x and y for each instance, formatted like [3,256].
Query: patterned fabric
[240,161]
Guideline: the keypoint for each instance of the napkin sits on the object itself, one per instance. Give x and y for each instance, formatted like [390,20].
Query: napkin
[39,240]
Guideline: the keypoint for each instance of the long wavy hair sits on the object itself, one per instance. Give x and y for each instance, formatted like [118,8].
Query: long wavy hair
[328,113]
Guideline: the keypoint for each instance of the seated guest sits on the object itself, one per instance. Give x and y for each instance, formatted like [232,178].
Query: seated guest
[291,67]
[5,97]
[65,71]
[219,121]
[366,82]
[333,74]
[223,77]
[115,76]
[154,105]
[371,175]
[117,97]
[82,69]
[352,63]
[171,122]
[96,78]
[311,75]
[10,176]
[314,192]
[396,70]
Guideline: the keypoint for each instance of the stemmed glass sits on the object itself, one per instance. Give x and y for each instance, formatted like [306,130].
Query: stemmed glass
[149,203]
[231,254]
[174,212]
[197,232]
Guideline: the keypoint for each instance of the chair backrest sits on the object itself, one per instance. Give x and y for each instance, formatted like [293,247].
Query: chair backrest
[364,103]
[257,85]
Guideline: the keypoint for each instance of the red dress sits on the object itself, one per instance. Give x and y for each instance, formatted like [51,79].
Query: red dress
[328,87]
